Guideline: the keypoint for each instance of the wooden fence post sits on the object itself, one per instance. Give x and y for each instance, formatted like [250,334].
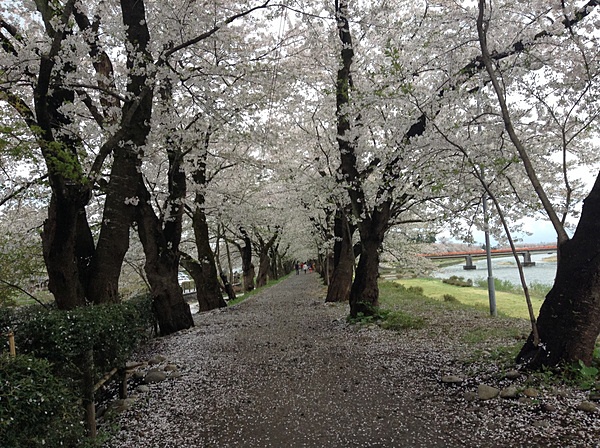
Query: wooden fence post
[11,344]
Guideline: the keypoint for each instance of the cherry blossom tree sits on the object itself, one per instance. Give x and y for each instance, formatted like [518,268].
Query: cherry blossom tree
[108,96]
[426,82]
[383,168]
[320,137]
[564,88]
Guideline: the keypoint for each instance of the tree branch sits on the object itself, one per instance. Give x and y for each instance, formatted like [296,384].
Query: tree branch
[212,31]
[18,288]
[21,189]
[506,117]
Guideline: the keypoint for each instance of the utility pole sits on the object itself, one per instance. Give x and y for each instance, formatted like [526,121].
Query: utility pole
[486,225]
[488,254]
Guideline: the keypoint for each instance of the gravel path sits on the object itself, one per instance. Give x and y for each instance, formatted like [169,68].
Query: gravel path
[283,369]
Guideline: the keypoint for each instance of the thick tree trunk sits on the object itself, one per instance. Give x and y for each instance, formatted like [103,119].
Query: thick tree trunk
[264,259]
[225,280]
[67,247]
[208,289]
[206,301]
[364,294]
[248,275]
[247,266]
[204,270]
[161,240]
[171,310]
[162,269]
[67,241]
[273,272]
[340,282]
[113,241]
[263,268]
[161,247]
[227,286]
[569,320]
[77,270]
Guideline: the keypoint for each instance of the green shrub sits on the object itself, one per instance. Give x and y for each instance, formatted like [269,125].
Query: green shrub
[536,289]
[372,315]
[37,408]
[41,389]
[458,281]
[450,298]
[112,332]
[417,290]
[6,317]
[585,377]
[397,321]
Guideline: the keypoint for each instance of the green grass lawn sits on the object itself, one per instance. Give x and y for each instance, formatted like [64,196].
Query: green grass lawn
[508,304]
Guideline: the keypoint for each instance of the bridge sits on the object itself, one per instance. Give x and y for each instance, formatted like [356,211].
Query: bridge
[525,252]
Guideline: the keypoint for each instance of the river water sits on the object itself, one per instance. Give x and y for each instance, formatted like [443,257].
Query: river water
[505,268]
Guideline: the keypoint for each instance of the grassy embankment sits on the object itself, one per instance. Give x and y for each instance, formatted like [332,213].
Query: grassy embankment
[507,303]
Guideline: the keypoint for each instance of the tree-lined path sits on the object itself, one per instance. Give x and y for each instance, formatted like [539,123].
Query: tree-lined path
[142,137]
[283,369]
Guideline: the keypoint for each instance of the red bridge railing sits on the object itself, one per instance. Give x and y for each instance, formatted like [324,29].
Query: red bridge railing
[545,248]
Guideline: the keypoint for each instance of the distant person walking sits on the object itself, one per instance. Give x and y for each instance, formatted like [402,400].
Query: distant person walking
[297,269]
[305,268]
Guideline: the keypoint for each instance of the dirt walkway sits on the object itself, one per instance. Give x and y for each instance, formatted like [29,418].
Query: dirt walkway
[283,369]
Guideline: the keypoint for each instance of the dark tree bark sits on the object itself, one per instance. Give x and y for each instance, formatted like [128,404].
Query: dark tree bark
[206,301]
[264,260]
[372,223]
[338,287]
[247,266]
[272,269]
[113,240]
[226,283]
[263,267]
[161,247]
[125,181]
[208,289]
[63,232]
[340,283]
[204,271]
[79,271]
[273,272]
[364,295]
[66,238]
[160,238]
[161,242]
[569,319]
[364,291]
[227,286]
